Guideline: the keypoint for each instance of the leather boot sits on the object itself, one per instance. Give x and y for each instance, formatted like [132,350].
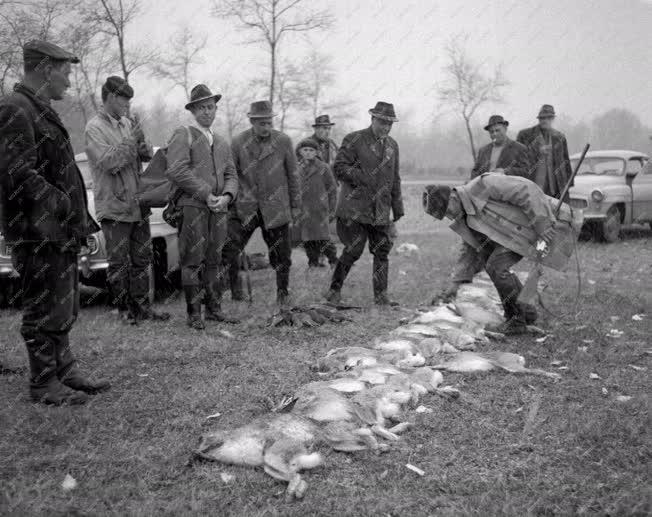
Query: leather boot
[68,373]
[381,298]
[339,275]
[45,386]
[193,306]
[213,305]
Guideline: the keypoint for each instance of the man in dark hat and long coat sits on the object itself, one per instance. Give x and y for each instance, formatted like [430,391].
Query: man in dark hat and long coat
[201,168]
[322,135]
[502,155]
[550,166]
[367,166]
[44,217]
[115,153]
[269,196]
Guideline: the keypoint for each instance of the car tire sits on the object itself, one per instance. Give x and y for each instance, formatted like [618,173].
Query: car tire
[609,229]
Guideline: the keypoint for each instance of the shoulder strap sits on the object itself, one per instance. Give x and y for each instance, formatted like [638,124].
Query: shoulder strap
[189,136]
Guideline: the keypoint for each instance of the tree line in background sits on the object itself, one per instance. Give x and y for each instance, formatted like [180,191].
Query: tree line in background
[99,33]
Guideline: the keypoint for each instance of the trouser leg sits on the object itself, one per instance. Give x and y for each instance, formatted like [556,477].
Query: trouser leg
[380,245]
[140,251]
[117,236]
[353,236]
[238,235]
[329,250]
[507,284]
[312,249]
[280,254]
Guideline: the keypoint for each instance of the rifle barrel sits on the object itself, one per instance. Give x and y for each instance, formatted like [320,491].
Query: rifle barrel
[570,180]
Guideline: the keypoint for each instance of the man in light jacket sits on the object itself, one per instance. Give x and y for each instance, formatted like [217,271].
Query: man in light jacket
[501,220]
[202,170]
[114,153]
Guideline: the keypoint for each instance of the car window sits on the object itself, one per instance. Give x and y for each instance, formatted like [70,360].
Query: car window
[609,166]
[85,169]
[634,166]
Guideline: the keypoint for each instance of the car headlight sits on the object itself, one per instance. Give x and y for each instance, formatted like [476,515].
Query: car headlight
[597,195]
[93,245]
[5,251]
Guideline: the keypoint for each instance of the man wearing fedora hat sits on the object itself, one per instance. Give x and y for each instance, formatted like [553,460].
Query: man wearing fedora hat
[367,166]
[115,151]
[502,154]
[269,196]
[327,146]
[201,168]
[44,218]
[548,153]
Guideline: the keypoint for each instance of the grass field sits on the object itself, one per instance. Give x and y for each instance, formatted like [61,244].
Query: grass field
[515,445]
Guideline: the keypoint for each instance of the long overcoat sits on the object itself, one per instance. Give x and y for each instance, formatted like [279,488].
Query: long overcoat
[319,194]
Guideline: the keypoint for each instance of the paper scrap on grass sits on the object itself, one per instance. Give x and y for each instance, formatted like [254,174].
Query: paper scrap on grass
[226,334]
[637,317]
[414,469]
[594,376]
[637,368]
[69,483]
[227,478]
[623,398]
[214,415]
[615,333]
[423,409]
[541,339]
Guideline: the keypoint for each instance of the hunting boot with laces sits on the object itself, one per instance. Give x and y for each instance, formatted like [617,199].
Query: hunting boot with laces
[45,386]
[193,307]
[334,296]
[68,373]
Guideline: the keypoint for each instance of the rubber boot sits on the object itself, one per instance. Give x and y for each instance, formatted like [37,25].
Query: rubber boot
[193,306]
[45,386]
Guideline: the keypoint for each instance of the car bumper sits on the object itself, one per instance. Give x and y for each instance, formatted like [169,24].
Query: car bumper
[7,271]
[591,211]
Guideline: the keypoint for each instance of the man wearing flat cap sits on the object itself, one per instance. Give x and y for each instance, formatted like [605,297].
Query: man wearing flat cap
[548,154]
[202,171]
[269,196]
[45,219]
[502,155]
[367,166]
[114,153]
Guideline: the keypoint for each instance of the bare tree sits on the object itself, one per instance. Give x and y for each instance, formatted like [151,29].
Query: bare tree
[112,17]
[292,93]
[271,20]
[234,104]
[466,86]
[185,48]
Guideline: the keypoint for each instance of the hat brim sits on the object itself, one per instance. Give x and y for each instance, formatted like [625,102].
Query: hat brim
[324,124]
[264,115]
[217,98]
[382,116]
[504,123]
[547,115]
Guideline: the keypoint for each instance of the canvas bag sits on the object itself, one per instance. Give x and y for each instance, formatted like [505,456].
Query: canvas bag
[155,190]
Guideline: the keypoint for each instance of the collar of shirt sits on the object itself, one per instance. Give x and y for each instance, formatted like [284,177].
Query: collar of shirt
[205,131]
[115,123]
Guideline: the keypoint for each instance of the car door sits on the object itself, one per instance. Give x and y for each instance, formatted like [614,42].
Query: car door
[641,189]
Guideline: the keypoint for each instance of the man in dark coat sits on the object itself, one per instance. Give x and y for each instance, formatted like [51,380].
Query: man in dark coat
[201,168]
[269,196]
[322,135]
[548,154]
[45,219]
[367,166]
[502,154]
[114,153]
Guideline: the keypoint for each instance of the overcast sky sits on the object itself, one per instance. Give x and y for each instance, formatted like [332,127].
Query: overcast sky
[583,56]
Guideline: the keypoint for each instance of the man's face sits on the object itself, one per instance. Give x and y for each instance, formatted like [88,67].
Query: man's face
[381,127]
[58,79]
[546,122]
[323,132]
[498,134]
[262,126]
[204,112]
[454,209]
[308,153]
[117,105]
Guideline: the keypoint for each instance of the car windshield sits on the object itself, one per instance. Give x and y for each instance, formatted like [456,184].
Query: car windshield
[86,173]
[604,166]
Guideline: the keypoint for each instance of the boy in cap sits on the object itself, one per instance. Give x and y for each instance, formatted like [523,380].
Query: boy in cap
[115,150]
[44,217]
[201,168]
[319,196]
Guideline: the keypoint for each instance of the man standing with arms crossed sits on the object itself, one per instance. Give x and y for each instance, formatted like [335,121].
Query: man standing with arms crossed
[44,215]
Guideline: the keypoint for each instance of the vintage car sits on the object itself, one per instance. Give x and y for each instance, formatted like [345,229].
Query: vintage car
[613,188]
[92,259]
